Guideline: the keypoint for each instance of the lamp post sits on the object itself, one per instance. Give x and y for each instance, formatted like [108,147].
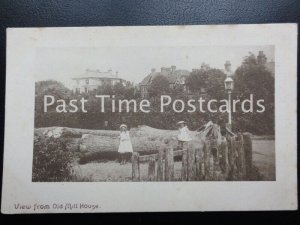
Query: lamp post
[229,87]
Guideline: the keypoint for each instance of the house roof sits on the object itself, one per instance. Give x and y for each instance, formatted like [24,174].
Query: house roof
[106,78]
[147,80]
[97,74]
[172,76]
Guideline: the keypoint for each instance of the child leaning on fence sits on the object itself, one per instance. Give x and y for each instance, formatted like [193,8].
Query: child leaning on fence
[184,134]
[125,147]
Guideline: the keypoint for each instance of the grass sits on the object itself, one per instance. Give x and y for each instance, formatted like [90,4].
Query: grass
[113,171]
[110,169]
[98,162]
[264,158]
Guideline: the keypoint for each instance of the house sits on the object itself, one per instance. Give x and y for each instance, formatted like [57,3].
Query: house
[91,80]
[175,78]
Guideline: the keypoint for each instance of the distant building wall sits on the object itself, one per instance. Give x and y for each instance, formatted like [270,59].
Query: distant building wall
[93,79]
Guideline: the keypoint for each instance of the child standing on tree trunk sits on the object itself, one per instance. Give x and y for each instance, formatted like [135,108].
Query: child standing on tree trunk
[184,134]
[125,146]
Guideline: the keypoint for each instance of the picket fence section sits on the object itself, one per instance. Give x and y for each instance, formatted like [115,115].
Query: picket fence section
[229,160]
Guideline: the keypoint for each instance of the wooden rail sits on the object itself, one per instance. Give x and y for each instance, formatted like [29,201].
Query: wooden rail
[231,159]
[146,158]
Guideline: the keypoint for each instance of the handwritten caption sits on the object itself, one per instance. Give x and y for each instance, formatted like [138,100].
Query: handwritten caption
[56,206]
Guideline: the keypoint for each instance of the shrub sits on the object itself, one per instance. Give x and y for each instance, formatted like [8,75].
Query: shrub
[51,160]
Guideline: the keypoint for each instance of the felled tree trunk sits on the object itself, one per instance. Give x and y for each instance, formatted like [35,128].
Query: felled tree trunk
[143,138]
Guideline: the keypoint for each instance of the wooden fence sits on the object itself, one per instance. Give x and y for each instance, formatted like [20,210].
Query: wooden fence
[229,160]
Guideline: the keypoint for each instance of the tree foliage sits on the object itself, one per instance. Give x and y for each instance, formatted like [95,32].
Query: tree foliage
[209,80]
[51,160]
[252,77]
[159,86]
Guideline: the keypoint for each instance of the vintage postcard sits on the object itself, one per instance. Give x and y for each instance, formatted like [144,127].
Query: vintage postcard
[145,119]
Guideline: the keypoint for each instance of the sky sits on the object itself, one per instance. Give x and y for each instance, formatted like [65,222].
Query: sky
[134,63]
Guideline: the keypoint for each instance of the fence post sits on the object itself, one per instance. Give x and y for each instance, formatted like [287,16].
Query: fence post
[190,163]
[224,160]
[206,159]
[135,166]
[169,165]
[248,154]
[184,166]
[160,165]
[151,169]
[198,161]
[241,154]
[232,158]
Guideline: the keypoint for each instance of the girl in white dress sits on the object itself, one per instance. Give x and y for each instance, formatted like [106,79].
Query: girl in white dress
[184,134]
[125,146]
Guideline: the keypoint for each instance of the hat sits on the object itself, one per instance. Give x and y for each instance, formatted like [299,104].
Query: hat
[123,125]
[180,122]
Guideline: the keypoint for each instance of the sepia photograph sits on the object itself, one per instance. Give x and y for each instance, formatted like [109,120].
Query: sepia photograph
[150,119]
[154,114]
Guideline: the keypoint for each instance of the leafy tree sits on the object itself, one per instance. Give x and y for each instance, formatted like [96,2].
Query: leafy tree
[108,89]
[129,93]
[197,80]
[215,83]
[52,87]
[58,91]
[252,77]
[159,85]
[209,80]
[119,89]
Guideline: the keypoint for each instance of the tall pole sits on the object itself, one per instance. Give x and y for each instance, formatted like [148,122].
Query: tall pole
[229,112]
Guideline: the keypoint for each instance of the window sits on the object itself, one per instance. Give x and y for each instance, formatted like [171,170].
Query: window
[87,81]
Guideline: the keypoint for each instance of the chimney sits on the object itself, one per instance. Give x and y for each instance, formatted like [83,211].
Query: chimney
[173,68]
[153,70]
[163,69]
[227,66]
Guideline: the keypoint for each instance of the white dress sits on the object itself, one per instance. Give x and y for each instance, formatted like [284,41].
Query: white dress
[184,134]
[125,143]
